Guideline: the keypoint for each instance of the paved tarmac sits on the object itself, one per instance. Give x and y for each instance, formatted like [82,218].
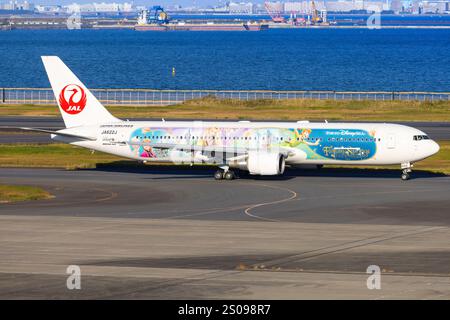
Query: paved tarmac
[164,232]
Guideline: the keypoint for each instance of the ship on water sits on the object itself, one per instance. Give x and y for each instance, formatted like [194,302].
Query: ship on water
[156,19]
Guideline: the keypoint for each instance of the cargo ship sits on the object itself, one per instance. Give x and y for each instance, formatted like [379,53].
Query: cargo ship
[209,26]
[156,19]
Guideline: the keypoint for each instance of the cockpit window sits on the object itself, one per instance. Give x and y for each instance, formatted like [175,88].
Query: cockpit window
[421,137]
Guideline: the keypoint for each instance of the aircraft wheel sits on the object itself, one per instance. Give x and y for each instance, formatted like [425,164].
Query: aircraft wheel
[405,176]
[229,175]
[218,175]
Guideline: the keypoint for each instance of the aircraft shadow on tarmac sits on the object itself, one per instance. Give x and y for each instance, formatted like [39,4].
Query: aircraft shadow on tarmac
[206,172]
[433,261]
[219,262]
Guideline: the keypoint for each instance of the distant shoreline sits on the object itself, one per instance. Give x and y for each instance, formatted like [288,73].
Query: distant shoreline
[271,26]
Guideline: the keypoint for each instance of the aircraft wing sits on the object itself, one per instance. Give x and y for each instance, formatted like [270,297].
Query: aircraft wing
[237,152]
[189,147]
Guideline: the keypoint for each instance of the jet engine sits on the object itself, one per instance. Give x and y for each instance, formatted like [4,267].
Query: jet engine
[265,163]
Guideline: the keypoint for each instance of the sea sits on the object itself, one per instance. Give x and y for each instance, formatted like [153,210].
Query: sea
[275,59]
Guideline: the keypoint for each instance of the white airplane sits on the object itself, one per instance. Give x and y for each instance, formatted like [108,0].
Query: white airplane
[262,148]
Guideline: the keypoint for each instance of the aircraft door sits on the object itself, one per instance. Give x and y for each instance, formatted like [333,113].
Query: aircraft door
[391,141]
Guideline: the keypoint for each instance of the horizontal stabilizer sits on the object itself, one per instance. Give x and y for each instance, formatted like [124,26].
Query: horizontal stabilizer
[60,133]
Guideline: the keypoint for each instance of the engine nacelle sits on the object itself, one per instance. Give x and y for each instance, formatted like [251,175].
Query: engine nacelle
[265,163]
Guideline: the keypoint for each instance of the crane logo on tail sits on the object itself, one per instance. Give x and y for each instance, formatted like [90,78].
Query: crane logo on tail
[72,99]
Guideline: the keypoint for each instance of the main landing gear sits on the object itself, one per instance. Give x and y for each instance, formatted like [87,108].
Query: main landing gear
[406,170]
[224,173]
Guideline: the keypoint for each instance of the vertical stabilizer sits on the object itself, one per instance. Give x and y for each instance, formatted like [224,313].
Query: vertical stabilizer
[78,106]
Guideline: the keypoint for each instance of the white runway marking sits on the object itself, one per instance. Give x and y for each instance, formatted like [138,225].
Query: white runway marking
[258,205]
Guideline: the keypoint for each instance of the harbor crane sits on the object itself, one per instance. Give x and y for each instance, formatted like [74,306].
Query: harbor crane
[316,17]
[274,13]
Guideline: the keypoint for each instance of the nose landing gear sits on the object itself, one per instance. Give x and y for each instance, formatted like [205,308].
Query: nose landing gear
[405,175]
[406,170]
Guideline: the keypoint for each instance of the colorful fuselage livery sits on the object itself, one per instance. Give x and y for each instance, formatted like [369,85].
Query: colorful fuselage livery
[313,144]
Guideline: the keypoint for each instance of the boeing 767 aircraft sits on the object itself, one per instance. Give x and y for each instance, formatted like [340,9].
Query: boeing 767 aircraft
[261,148]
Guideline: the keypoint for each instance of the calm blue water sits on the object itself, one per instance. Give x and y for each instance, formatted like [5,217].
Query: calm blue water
[324,59]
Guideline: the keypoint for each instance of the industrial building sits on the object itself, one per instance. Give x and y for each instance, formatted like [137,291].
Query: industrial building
[331,6]
[17,6]
[100,7]
[242,7]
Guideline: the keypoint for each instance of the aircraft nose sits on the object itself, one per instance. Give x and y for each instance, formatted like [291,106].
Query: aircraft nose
[434,148]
